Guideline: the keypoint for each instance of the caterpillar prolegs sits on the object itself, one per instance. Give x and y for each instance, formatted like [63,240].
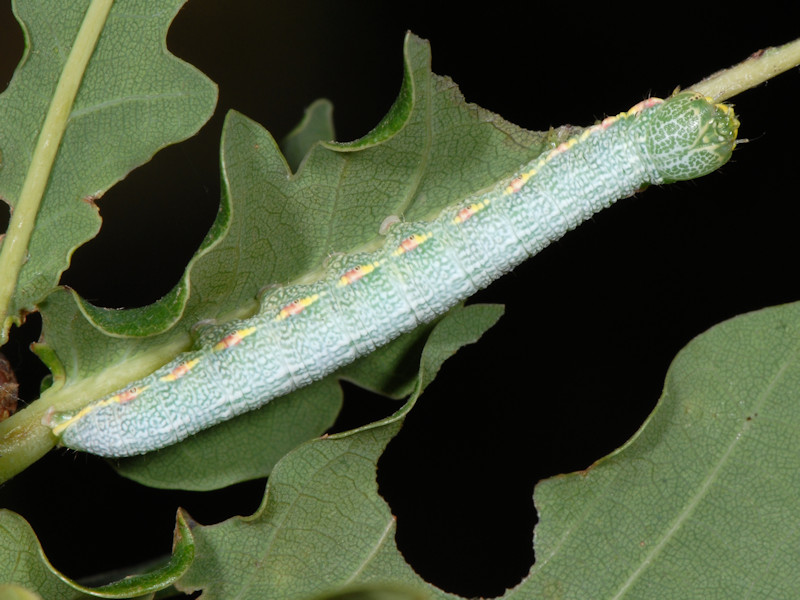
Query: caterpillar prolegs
[305,332]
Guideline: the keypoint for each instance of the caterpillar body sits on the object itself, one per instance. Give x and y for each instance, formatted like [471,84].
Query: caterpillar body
[305,332]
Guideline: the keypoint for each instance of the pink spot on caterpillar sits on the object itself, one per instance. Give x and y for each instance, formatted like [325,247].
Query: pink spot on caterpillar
[412,242]
[125,396]
[469,211]
[608,122]
[357,273]
[234,338]
[644,104]
[296,307]
[181,370]
[122,397]
[516,184]
[562,147]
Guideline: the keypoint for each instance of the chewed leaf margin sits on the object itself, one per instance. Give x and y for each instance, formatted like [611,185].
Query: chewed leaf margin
[113,124]
[317,123]
[32,571]
[664,523]
[302,503]
[314,155]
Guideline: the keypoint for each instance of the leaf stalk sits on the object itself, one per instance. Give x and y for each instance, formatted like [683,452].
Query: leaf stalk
[754,70]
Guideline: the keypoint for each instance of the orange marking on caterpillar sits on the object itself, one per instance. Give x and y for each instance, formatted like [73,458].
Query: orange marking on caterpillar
[232,339]
[469,211]
[357,273]
[608,122]
[563,147]
[181,370]
[516,184]
[124,396]
[640,106]
[412,242]
[296,307]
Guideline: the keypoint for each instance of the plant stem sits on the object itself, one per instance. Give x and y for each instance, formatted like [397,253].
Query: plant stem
[14,251]
[754,70]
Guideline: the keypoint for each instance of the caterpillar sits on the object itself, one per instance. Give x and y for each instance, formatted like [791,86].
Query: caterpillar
[306,331]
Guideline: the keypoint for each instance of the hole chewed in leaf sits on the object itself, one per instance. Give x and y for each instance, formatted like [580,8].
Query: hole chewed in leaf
[452,478]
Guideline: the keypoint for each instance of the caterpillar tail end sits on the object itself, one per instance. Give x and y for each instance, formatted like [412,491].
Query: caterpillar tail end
[57,421]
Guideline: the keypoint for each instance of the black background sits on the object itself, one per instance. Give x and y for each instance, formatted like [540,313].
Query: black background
[591,325]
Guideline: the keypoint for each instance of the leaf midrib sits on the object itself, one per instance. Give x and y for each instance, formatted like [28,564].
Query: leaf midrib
[707,482]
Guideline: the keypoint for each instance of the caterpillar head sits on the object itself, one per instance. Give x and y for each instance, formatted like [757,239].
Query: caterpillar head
[688,136]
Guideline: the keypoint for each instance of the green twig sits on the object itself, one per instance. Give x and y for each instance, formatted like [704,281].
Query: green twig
[754,70]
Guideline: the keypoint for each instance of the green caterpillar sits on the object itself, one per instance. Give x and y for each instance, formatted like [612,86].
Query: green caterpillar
[304,332]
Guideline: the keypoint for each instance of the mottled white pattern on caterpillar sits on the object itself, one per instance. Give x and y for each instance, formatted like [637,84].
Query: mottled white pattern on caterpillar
[304,332]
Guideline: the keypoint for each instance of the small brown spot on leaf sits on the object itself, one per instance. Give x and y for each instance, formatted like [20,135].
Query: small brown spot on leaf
[92,199]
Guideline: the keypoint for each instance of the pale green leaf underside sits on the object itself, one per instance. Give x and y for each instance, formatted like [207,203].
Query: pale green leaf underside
[117,122]
[26,568]
[24,564]
[701,503]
